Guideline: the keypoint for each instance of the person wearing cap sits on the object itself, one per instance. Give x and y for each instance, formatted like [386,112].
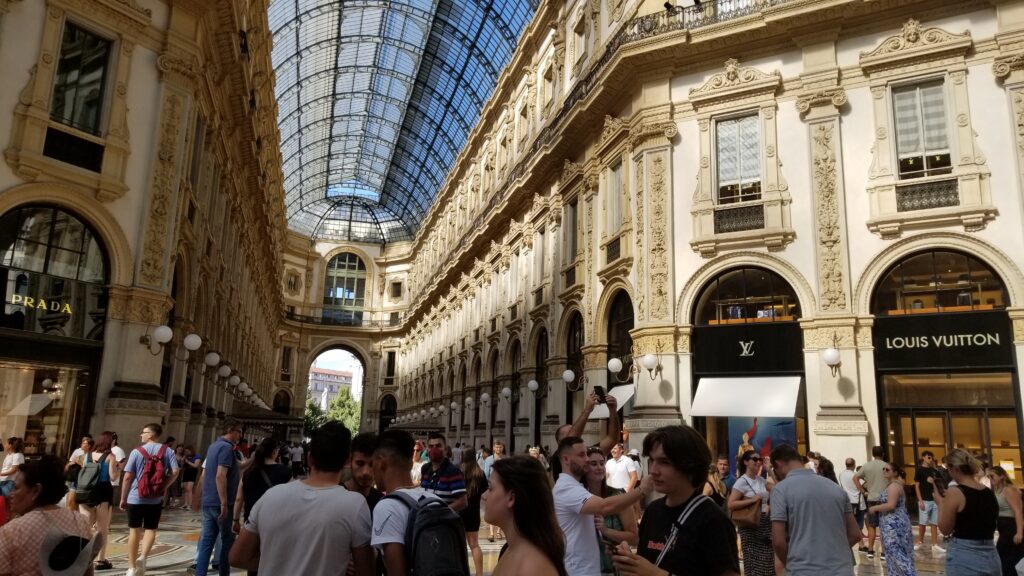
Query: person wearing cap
[46,539]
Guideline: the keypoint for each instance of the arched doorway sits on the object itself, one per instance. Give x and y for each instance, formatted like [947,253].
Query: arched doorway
[620,343]
[336,384]
[282,402]
[574,362]
[54,271]
[747,336]
[388,410]
[945,360]
[540,359]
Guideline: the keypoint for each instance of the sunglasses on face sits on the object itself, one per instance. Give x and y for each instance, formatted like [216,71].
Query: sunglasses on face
[886,469]
[755,458]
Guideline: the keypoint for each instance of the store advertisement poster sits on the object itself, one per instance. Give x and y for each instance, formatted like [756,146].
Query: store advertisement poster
[760,435]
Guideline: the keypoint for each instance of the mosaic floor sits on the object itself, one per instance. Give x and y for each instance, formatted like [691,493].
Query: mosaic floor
[176,542]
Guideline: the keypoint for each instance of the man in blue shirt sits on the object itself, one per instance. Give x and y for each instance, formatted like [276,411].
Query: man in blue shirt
[144,513]
[220,485]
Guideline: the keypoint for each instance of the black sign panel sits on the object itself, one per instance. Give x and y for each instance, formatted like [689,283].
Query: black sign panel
[968,340]
[763,348]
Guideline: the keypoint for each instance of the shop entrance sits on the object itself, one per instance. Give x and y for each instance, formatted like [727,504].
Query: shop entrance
[939,412]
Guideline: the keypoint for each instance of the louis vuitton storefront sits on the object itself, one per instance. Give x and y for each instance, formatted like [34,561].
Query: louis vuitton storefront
[748,363]
[54,274]
[944,358]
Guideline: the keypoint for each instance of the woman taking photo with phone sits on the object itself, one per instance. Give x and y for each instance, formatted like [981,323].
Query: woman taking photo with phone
[968,512]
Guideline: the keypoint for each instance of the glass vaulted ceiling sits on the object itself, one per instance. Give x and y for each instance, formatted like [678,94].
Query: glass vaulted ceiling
[376,98]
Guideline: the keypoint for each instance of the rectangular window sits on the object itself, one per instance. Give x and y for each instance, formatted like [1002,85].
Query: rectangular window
[389,369]
[198,138]
[571,231]
[286,359]
[738,155]
[580,39]
[541,255]
[922,142]
[396,290]
[548,85]
[615,198]
[80,81]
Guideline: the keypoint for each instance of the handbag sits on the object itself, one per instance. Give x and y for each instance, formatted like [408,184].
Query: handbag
[748,516]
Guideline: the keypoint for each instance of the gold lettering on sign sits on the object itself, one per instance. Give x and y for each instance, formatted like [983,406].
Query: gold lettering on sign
[40,304]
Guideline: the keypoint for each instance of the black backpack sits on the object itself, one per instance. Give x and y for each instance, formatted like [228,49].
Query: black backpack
[435,539]
[89,476]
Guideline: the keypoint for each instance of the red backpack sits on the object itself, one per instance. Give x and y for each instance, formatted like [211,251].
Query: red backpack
[153,479]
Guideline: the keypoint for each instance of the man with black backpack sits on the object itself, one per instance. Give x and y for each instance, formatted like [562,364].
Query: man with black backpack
[150,471]
[416,531]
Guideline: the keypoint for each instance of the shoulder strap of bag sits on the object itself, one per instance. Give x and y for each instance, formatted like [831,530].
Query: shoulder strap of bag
[683,517]
[266,478]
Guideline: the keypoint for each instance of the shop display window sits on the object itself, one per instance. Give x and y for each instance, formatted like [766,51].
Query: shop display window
[747,295]
[939,281]
[39,404]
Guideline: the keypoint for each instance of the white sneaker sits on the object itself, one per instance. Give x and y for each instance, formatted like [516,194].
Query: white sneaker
[938,549]
[140,567]
[131,572]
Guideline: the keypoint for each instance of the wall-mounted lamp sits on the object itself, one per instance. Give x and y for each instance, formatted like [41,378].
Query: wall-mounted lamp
[163,334]
[454,406]
[469,403]
[224,371]
[650,362]
[832,357]
[509,395]
[211,359]
[569,377]
[485,399]
[534,387]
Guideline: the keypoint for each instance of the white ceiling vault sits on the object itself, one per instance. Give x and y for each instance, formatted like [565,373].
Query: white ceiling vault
[376,99]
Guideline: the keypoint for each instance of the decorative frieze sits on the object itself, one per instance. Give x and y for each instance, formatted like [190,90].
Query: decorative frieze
[658,272]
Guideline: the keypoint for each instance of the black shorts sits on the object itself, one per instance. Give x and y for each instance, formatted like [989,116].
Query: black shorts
[144,516]
[101,493]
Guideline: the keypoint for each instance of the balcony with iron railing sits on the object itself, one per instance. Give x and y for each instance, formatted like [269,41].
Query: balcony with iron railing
[354,321]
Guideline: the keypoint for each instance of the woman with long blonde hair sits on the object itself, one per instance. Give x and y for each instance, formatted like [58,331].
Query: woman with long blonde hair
[968,512]
[1010,521]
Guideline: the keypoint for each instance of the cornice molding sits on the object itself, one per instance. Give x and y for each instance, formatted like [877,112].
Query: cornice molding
[915,43]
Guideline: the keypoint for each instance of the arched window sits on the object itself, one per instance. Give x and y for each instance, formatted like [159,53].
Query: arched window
[54,272]
[746,295]
[388,410]
[938,281]
[282,402]
[345,290]
[620,343]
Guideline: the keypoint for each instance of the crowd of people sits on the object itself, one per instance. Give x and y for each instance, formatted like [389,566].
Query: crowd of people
[391,504]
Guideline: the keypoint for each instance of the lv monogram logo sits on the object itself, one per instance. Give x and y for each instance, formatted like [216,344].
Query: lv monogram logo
[746,348]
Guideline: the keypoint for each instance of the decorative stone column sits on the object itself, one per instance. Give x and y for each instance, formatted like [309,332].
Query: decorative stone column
[651,133]
[837,422]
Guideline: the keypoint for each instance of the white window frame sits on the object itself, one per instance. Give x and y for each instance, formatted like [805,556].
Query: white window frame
[717,161]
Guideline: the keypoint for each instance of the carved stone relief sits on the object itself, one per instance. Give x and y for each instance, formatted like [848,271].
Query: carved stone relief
[161,201]
[833,293]
[659,245]
[641,274]
[615,9]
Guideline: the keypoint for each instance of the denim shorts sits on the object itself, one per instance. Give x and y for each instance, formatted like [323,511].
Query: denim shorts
[972,558]
[872,519]
[930,515]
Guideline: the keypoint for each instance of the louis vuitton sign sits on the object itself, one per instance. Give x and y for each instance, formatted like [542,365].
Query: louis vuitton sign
[764,348]
[954,340]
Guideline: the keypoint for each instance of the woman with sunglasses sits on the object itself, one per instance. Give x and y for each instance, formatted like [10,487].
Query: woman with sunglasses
[751,489]
[969,512]
[897,535]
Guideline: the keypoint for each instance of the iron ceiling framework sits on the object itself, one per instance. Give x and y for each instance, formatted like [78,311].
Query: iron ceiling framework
[376,99]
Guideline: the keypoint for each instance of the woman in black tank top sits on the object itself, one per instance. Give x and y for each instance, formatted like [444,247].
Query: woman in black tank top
[969,512]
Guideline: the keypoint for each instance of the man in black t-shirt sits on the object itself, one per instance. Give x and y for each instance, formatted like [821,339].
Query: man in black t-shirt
[705,544]
[929,512]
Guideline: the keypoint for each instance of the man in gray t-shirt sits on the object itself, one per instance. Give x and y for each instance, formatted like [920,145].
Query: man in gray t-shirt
[813,527]
[871,481]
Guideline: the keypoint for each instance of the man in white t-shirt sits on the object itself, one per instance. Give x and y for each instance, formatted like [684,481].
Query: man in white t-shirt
[298,467]
[575,508]
[313,526]
[392,465]
[620,469]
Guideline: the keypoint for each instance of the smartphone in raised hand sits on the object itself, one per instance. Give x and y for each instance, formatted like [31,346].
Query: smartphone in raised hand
[601,398]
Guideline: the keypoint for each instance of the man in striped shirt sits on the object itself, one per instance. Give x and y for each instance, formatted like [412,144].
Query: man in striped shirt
[440,476]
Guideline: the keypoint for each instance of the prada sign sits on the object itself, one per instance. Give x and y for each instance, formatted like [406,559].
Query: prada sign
[51,305]
[955,340]
[766,348]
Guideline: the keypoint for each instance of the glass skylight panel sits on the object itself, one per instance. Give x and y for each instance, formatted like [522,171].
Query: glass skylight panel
[375,99]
